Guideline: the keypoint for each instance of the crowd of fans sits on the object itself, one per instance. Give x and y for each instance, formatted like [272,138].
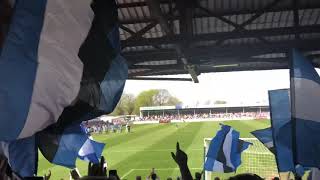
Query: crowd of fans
[254,115]
[100,127]
[99,171]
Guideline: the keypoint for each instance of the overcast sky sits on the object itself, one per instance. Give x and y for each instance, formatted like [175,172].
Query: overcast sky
[234,87]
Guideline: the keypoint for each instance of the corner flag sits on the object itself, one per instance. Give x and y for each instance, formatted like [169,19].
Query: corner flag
[224,153]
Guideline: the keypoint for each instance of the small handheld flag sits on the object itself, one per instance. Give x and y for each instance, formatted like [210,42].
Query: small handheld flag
[63,147]
[224,153]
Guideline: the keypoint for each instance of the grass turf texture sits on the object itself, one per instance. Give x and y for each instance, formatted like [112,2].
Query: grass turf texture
[149,146]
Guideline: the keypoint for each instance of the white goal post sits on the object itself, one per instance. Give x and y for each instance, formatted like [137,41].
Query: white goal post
[256,159]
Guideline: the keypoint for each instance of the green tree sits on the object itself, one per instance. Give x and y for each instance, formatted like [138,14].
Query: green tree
[125,105]
[173,101]
[129,103]
[145,98]
[155,97]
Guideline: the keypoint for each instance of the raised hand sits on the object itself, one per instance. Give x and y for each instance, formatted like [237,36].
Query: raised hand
[97,169]
[181,158]
[47,177]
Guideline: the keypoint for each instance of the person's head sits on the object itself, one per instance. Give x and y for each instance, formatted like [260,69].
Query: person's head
[246,176]
[138,178]
[276,178]
[216,178]
[154,176]
[198,176]
[169,178]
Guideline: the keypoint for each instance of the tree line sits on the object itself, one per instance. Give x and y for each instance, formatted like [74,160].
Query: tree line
[129,104]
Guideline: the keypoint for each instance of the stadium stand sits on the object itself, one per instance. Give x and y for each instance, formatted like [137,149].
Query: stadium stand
[221,112]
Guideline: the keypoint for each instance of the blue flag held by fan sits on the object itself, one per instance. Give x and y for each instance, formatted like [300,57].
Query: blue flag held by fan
[224,153]
[305,103]
[63,147]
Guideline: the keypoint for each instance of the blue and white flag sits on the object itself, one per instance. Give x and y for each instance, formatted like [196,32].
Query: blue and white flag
[305,101]
[224,153]
[56,54]
[105,70]
[265,137]
[64,146]
[22,156]
[91,150]
[40,71]
[282,129]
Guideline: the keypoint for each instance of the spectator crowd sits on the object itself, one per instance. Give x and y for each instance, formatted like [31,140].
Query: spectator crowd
[100,171]
[203,116]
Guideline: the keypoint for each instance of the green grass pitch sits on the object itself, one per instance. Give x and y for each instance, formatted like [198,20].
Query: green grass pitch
[149,146]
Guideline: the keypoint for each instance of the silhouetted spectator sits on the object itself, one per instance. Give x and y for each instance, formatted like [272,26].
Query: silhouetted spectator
[246,176]
[181,158]
[138,178]
[198,176]
[153,175]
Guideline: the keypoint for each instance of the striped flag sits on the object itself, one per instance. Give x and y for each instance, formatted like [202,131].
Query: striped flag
[224,153]
[305,101]
[278,138]
[22,156]
[58,53]
[64,146]
[105,70]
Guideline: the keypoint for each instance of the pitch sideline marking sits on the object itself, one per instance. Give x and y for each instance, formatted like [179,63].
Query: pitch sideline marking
[126,174]
[158,169]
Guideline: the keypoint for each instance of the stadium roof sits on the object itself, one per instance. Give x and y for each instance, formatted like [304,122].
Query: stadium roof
[164,37]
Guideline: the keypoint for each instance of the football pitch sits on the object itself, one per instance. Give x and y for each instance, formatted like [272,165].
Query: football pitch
[149,146]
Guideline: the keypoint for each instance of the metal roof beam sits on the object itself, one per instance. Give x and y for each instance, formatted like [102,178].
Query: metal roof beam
[210,52]
[225,35]
[155,10]
[296,20]
[227,13]
[253,18]
[139,34]
[159,79]
[213,62]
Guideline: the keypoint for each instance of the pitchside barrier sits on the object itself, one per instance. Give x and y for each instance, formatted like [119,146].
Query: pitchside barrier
[256,159]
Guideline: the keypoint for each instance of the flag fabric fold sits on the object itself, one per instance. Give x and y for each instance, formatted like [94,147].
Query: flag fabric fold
[224,153]
[40,71]
[265,137]
[279,102]
[47,77]
[105,70]
[64,146]
[278,138]
[22,156]
[305,100]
